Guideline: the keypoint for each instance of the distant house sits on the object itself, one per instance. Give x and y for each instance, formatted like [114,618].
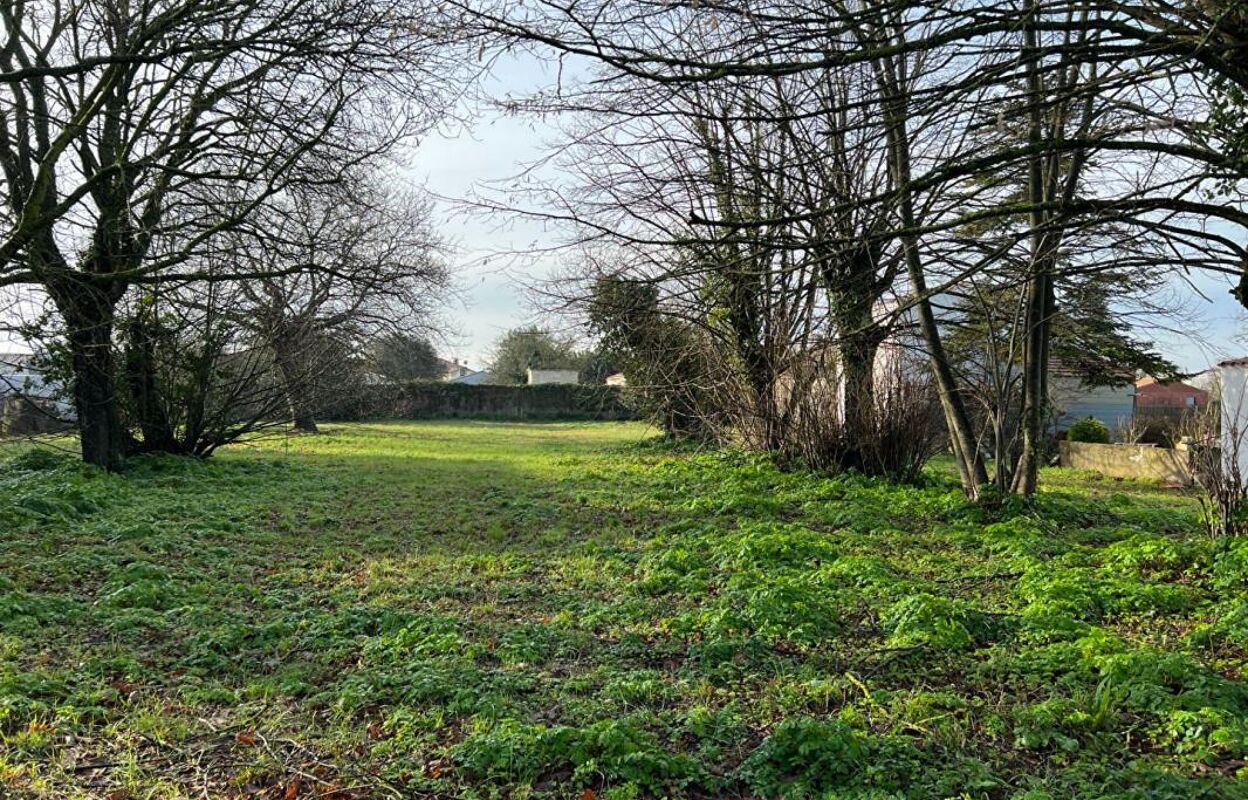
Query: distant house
[1168,398]
[29,401]
[1209,381]
[453,369]
[20,376]
[473,378]
[1073,399]
[617,379]
[540,376]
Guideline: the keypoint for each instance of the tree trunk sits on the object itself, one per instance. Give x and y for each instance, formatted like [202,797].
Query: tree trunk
[1039,289]
[303,420]
[1026,474]
[859,338]
[961,436]
[145,396]
[858,366]
[296,383]
[1003,475]
[961,433]
[89,315]
[773,433]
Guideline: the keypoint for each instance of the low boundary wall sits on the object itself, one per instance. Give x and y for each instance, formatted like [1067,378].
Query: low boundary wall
[1169,466]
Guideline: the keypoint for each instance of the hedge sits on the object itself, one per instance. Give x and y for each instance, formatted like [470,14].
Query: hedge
[421,400]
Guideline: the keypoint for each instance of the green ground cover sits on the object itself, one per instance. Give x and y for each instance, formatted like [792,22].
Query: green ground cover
[506,610]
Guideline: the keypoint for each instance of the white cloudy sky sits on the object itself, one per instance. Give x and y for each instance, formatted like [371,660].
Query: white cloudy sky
[480,158]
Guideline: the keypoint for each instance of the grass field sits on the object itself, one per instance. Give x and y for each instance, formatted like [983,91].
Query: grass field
[504,610]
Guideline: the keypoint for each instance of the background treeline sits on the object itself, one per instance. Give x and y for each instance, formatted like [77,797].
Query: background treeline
[838,232]
[197,227]
[798,223]
[429,400]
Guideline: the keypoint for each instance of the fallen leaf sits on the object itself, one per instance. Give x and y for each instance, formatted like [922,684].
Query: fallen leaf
[588,794]
[245,737]
[292,790]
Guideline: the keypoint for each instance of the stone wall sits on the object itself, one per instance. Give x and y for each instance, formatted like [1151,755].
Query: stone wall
[1145,462]
[23,416]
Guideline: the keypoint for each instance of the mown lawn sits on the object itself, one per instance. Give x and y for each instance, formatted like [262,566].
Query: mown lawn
[503,610]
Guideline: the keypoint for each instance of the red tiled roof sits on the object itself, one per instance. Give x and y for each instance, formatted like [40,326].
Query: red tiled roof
[1148,380]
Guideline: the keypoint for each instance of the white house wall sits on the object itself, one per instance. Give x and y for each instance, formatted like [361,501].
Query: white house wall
[1234,379]
[1072,401]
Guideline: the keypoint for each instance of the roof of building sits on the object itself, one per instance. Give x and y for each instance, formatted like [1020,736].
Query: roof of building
[1241,361]
[1064,370]
[16,359]
[473,378]
[453,368]
[1149,380]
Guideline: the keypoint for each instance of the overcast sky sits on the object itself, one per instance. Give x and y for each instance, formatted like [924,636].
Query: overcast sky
[482,157]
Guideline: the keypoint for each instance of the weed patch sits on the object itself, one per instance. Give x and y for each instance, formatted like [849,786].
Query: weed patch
[484,610]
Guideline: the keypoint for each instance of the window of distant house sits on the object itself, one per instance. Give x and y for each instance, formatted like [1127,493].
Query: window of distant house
[1191,401]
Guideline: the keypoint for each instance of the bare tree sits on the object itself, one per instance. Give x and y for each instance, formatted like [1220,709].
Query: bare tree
[190,381]
[340,268]
[1093,103]
[191,116]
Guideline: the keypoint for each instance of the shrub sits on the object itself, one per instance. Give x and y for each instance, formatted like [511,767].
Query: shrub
[903,431]
[1090,430]
[668,362]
